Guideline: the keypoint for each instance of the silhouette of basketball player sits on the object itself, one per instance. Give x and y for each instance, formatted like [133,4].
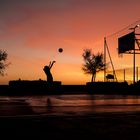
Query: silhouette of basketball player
[48,72]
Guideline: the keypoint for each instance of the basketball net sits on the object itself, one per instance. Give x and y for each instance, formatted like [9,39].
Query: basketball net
[120,55]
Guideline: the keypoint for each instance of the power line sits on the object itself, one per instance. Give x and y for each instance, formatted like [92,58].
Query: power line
[125,28]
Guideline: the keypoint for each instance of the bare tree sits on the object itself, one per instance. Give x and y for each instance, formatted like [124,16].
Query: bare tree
[92,63]
[3,58]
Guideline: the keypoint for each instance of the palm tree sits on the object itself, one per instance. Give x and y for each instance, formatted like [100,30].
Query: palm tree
[3,65]
[92,63]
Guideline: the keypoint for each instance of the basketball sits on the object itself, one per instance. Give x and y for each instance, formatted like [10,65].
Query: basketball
[60,50]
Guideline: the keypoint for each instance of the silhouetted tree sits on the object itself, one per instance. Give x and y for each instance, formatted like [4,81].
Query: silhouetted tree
[47,70]
[92,63]
[3,65]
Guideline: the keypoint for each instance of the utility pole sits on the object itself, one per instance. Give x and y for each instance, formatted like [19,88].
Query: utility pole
[107,49]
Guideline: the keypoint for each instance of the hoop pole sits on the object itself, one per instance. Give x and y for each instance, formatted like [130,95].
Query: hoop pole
[124,75]
[105,59]
[137,69]
[134,61]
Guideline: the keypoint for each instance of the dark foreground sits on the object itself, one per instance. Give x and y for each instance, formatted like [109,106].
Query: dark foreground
[110,126]
[40,87]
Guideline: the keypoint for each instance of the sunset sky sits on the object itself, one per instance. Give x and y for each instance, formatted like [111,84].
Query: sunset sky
[32,31]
